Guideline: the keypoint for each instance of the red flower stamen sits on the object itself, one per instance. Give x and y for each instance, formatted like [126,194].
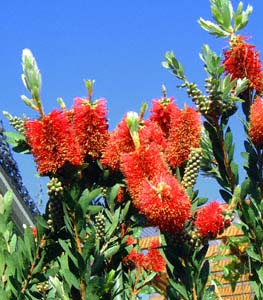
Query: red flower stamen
[185,134]
[163,112]
[90,126]
[165,203]
[242,61]
[210,220]
[52,142]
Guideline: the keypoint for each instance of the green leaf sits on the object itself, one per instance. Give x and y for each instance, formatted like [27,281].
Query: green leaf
[87,197]
[93,289]
[212,61]
[256,288]
[71,279]
[115,222]
[125,210]
[259,231]
[241,86]
[111,196]
[94,209]
[228,139]
[204,273]
[89,246]
[241,17]
[201,201]
[39,267]
[213,28]
[234,169]
[117,291]
[14,138]
[222,12]
[111,251]
[173,64]
[67,221]
[148,289]
[8,201]
[68,252]
[259,270]
[41,222]
[58,287]
[29,243]
[179,288]
[109,281]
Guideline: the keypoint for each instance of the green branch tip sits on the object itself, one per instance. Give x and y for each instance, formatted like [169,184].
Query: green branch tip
[227,21]
[31,76]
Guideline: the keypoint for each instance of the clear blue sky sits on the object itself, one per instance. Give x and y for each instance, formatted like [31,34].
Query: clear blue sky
[118,43]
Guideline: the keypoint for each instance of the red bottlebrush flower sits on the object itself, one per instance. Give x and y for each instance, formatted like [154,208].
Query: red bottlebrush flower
[185,134]
[52,142]
[242,61]
[155,260]
[119,142]
[256,122]
[163,112]
[151,132]
[130,241]
[90,126]
[165,203]
[146,162]
[136,258]
[210,220]
[152,260]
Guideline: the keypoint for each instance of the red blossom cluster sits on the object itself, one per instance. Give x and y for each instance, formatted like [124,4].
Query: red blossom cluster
[165,203]
[164,112]
[144,163]
[68,136]
[256,122]
[185,134]
[242,61]
[211,220]
[151,261]
[120,142]
[165,142]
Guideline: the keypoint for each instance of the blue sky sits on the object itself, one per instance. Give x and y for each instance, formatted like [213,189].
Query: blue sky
[120,44]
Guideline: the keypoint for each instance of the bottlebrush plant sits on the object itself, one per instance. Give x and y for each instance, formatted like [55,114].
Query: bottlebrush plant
[106,186]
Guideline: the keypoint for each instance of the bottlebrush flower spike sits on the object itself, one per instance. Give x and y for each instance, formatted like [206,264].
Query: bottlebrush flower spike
[145,163]
[210,220]
[242,61]
[185,134]
[121,141]
[256,122]
[163,112]
[52,142]
[90,126]
[165,203]
[149,133]
[156,262]
[152,260]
